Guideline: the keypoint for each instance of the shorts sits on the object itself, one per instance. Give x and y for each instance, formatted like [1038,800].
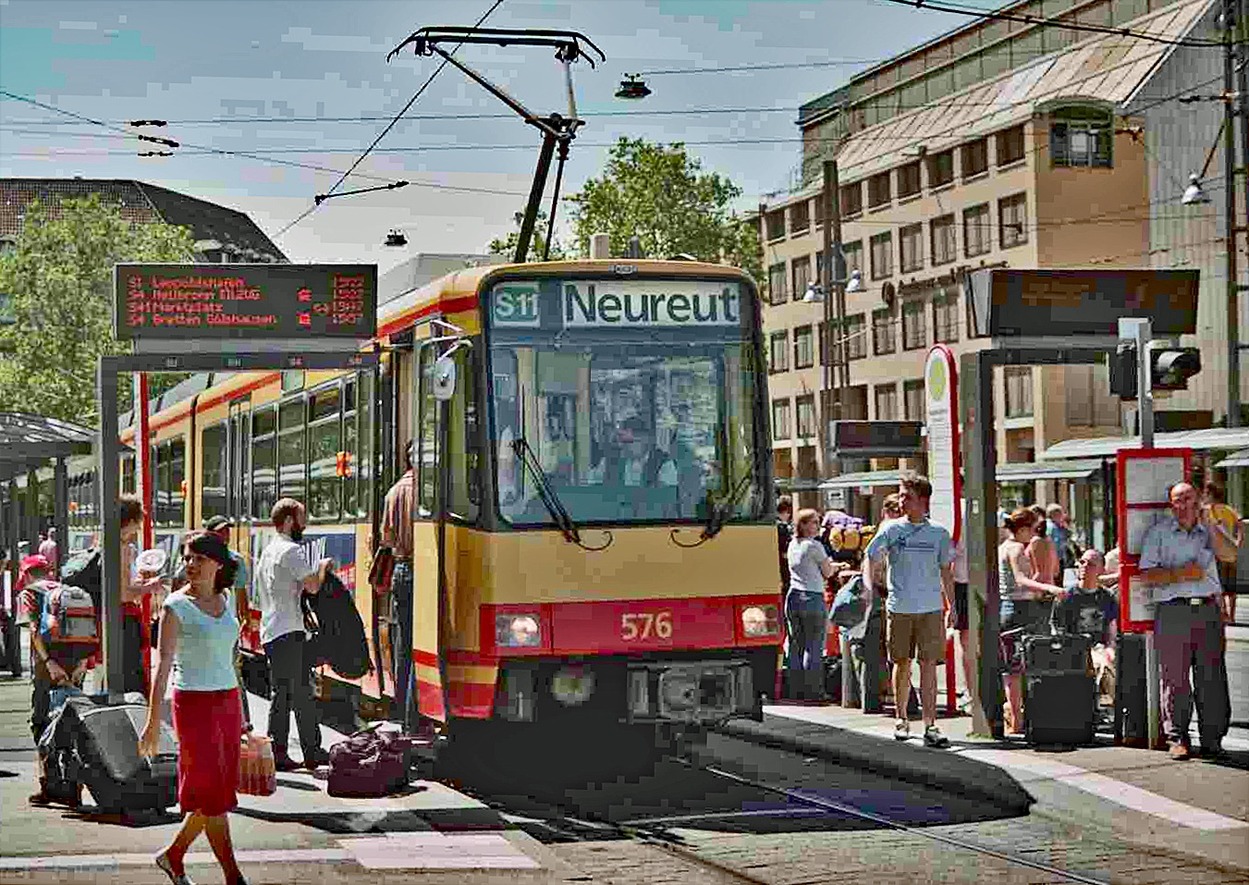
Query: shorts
[1227,577]
[1020,618]
[908,632]
[960,606]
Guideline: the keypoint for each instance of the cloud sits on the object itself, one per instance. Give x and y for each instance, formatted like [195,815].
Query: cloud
[332,43]
[78,26]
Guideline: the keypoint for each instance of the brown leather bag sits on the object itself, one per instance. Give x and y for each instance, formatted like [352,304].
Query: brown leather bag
[382,570]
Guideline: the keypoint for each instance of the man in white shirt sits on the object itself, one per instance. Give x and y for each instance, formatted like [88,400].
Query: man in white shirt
[283,575]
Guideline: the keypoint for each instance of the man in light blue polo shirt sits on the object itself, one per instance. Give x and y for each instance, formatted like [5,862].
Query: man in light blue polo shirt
[920,557]
[1178,555]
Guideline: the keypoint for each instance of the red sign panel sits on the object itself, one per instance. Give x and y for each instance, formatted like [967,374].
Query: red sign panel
[1142,483]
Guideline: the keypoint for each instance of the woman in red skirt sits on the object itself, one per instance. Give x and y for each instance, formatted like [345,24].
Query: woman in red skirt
[198,630]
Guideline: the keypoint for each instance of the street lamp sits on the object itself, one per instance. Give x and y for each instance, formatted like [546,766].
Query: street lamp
[633,87]
[395,238]
[1194,194]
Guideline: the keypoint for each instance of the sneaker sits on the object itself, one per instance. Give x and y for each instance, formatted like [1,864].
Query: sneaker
[1178,752]
[934,738]
[902,731]
[285,763]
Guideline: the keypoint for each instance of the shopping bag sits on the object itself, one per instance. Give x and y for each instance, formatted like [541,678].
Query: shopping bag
[258,773]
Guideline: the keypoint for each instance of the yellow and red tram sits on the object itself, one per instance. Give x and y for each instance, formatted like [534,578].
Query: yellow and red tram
[592,530]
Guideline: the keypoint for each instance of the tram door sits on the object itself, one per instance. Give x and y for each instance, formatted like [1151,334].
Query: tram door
[238,502]
[427,623]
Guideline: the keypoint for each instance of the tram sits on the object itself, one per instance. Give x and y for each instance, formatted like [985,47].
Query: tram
[593,530]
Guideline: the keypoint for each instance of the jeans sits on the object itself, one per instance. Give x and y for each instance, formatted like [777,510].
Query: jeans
[806,619]
[401,636]
[290,676]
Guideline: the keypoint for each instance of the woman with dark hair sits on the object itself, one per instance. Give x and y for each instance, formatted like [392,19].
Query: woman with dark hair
[1022,604]
[198,630]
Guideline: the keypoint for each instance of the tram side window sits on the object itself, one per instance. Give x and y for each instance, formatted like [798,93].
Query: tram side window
[507,427]
[264,463]
[213,471]
[464,494]
[325,438]
[427,434]
[292,463]
[170,471]
[358,444]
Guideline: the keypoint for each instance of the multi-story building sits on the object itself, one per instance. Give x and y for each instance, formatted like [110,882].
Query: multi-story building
[998,144]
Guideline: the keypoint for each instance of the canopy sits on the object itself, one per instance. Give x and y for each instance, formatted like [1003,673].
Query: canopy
[1236,459]
[27,440]
[1021,472]
[1106,446]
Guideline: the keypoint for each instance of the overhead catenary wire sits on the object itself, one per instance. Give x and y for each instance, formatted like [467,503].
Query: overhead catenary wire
[391,125]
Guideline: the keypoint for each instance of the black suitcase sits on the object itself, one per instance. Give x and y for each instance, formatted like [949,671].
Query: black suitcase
[106,753]
[1060,691]
[1131,694]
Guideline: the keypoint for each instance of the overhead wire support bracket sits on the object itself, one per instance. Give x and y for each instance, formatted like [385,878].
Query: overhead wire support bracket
[557,130]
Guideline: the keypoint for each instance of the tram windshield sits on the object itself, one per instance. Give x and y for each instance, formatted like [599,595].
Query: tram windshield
[639,399]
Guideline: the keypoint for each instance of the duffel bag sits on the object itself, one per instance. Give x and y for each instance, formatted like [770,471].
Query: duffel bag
[370,763]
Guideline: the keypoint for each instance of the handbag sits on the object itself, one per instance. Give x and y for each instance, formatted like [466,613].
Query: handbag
[371,762]
[382,570]
[258,773]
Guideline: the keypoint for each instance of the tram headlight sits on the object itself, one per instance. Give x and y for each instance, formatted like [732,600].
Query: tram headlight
[517,630]
[759,621]
[572,686]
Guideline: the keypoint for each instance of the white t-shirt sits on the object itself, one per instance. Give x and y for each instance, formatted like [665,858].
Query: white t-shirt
[279,584]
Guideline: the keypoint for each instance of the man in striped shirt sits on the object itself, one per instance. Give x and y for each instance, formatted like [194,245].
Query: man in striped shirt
[397,535]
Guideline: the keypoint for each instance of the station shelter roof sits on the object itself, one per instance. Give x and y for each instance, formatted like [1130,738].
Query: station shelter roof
[27,440]
[1205,440]
[1028,471]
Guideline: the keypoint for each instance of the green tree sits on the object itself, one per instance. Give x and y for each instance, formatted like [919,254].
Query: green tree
[507,245]
[59,279]
[661,195]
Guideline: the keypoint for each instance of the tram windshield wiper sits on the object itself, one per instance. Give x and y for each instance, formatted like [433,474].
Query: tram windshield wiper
[721,510]
[550,499]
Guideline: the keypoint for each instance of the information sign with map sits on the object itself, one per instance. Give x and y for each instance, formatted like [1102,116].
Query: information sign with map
[245,301]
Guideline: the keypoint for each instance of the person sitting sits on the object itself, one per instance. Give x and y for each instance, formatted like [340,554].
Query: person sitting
[635,460]
[1092,611]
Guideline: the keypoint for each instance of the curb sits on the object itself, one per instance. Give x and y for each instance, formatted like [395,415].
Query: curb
[927,768]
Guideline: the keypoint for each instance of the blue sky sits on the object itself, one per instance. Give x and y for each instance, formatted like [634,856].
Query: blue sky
[230,62]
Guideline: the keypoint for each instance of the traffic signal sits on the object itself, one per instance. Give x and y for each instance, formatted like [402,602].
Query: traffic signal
[1123,371]
[1170,368]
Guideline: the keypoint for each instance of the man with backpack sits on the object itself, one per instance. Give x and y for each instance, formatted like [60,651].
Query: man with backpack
[63,640]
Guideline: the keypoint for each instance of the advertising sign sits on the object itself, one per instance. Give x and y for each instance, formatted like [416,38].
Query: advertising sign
[941,419]
[204,301]
[1143,479]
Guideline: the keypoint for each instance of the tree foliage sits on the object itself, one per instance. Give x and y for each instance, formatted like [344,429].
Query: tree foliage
[507,245]
[661,195]
[59,279]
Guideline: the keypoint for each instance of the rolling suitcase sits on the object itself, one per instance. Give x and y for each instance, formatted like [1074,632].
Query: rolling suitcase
[1060,691]
[106,756]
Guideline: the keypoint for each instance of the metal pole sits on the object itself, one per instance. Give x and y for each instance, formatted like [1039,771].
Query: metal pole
[143,485]
[535,197]
[110,565]
[1142,331]
[60,510]
[829,196]
[1230,109]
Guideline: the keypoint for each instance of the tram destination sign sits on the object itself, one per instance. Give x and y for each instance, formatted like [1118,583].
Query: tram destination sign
[245,301]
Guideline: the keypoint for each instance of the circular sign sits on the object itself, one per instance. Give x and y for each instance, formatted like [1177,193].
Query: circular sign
[937,379]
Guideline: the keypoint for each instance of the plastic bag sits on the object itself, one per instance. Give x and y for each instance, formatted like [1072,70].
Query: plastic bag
[258,773]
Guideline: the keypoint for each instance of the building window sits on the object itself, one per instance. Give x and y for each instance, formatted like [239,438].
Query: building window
[780,419]
[1012,220]
[1010,145]
[817,209]
[851,199]
[945,319]
[944,244]
[913,400]
[911,245]
[804,352]
[884,340]
[776,283]
[799,217]
[886,402]
[801,276]
[854,256]
[908,180]
[941,168]
[975,158]
[878,192]
[776,224]
[1018,391]
[856,337]
[914,326]
[882,256]
[977,236]
[778,351]
[1081,137]
[806,415]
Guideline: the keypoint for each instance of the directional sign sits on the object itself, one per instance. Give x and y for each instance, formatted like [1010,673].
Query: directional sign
[270,301]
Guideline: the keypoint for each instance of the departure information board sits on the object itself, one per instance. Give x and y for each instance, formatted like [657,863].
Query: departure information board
[272,301]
